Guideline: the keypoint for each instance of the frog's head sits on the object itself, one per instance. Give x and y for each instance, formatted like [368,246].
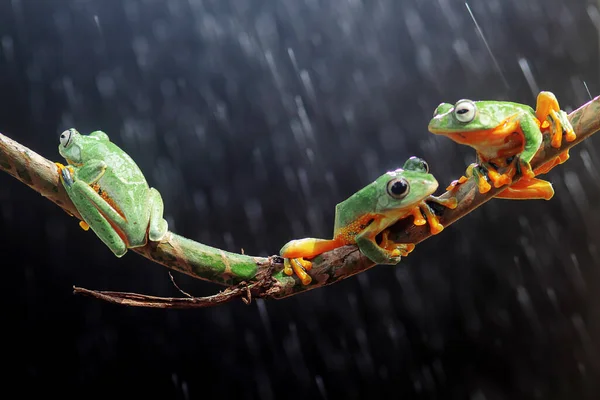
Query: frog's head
[405,186]
[71,145]
[456,121]
[77,148]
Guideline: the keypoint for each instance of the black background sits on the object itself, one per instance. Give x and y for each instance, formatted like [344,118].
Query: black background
[253,118]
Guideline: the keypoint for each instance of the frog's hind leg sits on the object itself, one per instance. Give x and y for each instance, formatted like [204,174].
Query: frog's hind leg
[295,253]
[158,226]
[547,106]
[528,189]
[548,165]
[97,219]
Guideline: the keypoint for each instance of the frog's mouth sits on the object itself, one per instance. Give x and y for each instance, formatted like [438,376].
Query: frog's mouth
[75,164]
[458,136]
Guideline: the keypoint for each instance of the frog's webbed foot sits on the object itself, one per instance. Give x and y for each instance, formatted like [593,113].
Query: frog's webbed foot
[481,177]
[299,266]
[66,174]
[158,226]
[390,255]
[454,184]
[435,226]
[396,249]
[297,252]
[559,126]
[548,165]
[549,114]
[528,189]
[498,179]
[520,167]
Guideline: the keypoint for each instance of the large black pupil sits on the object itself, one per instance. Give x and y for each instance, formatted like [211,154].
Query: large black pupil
[462,111]
[398,187]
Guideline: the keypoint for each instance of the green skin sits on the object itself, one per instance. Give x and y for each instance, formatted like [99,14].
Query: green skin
[376,201]
[98,163]
[488,115]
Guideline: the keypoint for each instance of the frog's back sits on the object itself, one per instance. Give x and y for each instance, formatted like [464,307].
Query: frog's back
[503,107]
[124,186]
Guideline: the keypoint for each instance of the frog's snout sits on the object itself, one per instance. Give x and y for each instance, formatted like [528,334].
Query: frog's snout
[431,185]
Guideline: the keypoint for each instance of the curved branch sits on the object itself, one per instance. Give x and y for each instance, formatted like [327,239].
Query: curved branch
[261,275]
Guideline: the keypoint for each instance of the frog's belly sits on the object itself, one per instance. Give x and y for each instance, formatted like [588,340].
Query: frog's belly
[490,145]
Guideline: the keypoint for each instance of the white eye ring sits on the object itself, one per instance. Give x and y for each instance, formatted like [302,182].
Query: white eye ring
[398,188]
[65,137]
[465,110]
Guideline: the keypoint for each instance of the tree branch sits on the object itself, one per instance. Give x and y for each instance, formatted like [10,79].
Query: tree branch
[261,276]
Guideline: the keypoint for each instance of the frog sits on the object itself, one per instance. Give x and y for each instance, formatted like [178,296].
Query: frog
[368,213]
[110,192]
[506,134]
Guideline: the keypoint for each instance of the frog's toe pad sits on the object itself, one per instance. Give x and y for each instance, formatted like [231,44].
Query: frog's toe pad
[403,249]
[299,266]
[483,185]
[66,173]
[84,225]
[158,233]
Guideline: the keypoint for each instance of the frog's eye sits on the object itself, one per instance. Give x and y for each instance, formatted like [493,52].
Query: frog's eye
[416,164]
[65,137]
[398,188]
[464,111]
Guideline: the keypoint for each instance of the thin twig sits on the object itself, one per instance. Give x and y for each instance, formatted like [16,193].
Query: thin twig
[177,286]
[140,300]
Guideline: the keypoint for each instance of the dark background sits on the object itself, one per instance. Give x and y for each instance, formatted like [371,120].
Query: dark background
[253,118]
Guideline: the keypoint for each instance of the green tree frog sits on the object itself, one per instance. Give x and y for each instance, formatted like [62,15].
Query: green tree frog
[506,134]
[110,192]
[369,212]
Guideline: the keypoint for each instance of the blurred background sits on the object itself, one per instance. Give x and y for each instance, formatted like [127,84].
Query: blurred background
[254,118]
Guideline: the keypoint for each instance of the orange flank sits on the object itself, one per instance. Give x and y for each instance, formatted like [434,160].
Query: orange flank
[115,227]
[505,140]
[347,234]
[109,200]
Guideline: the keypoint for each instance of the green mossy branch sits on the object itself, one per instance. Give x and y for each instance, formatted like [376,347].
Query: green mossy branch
[248,276]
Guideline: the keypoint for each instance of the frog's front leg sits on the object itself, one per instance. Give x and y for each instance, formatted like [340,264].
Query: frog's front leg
[158,226]
[369,247]
[435,226]
[296,252]
[396,249]
[91,172]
